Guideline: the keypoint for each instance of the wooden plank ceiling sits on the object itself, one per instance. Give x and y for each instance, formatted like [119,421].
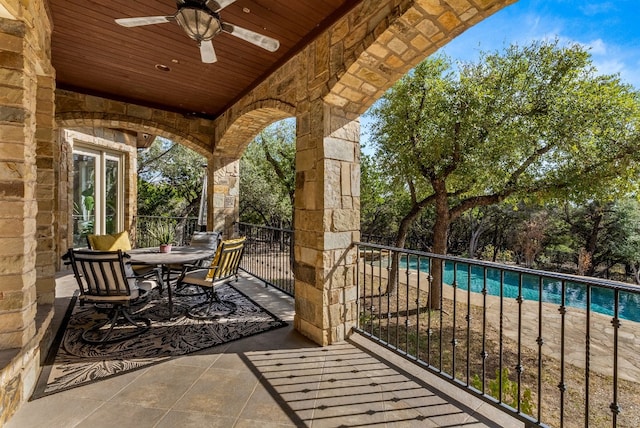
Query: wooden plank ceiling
[94,55]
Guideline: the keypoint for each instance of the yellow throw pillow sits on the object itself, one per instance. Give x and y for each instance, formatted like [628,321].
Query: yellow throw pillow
[117,241]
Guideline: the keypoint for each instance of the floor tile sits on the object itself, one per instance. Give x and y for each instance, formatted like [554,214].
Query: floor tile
[276,379]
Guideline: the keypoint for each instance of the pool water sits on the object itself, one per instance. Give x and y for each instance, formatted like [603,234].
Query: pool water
[602,299]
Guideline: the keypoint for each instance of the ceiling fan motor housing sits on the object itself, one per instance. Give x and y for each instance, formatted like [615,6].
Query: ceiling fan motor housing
[199,22]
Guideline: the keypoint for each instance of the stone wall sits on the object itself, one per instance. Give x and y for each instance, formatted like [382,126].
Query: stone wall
[224,187]
[27,188]
[75,110]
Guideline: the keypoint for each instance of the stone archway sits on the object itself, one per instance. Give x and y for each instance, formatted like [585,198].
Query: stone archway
[98,117]
[80,110]
[224,177]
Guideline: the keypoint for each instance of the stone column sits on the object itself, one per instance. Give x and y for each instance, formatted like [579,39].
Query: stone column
[48,170]
[18,100]
[327,222]
[223,192]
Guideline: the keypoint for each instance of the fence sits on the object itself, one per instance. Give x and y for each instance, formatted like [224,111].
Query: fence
[268,255]
[551,349]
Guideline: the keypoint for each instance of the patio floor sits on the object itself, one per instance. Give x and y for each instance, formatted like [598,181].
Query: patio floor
[274,379]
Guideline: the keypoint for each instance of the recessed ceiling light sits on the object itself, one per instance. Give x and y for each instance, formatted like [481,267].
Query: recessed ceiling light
[162,67]
[246,10]
[175,61]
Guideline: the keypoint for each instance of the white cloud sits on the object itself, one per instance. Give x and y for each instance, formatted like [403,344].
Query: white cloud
[609,66]
[597,8]
[597,47]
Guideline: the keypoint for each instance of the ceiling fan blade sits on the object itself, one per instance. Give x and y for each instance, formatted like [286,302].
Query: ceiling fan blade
[217,5]
[207,53]
[257,39]
[144,20]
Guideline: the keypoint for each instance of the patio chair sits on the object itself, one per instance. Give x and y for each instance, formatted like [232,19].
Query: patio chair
[208,240]
[223,269]
[119,241]
[108,282]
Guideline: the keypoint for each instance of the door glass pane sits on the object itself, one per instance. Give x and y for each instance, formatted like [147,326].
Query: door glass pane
[111,193]
[84,198]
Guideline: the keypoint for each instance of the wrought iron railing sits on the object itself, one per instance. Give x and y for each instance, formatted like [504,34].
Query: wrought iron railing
[551,349]
[268,255]
[145,225]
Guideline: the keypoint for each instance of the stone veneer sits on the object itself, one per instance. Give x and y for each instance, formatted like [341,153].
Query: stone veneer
[27,194]
[326,86]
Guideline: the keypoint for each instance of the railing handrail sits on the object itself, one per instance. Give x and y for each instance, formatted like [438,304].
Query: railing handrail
[279,229]
[599,282]
[161,217]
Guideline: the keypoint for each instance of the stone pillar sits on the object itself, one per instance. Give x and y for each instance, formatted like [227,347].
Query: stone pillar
[18,101]
[327,222]
[223,193]
[48,171]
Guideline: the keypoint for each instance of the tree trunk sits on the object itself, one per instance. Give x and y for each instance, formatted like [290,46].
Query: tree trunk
[592,242]
[440,231]
[401,237]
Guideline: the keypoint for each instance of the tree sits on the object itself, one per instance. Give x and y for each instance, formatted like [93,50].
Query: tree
[623,244]
[267,179]
[535,122]
[377,219]
[170,180]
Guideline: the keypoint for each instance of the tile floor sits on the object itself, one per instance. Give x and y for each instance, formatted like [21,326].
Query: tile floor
[275,379]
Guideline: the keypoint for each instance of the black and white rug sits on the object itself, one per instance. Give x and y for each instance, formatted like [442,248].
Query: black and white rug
[72,362]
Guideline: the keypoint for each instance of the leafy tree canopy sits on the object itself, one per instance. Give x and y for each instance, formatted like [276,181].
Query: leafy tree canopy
[267,176]
[170,180]
[533,122]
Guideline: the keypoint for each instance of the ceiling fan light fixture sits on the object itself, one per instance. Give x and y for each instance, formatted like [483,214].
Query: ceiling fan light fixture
[199,24]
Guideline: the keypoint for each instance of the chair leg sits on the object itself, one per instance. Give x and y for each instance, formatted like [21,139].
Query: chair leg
[119,312]
[188,290]
[213,308]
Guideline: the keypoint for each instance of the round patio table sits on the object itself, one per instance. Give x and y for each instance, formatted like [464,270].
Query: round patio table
[178,256]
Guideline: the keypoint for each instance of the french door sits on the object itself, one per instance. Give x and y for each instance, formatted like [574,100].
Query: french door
[97,193]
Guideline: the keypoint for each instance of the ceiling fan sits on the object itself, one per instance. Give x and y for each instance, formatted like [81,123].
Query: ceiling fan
[201,21]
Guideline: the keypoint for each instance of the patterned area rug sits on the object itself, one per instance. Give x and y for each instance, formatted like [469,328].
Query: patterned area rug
[72,362]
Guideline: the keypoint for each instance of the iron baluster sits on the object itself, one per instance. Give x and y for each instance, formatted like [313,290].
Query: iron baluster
[484,353]
[562,385]
[501,335]
[468,318]
[540,342]
[587,359]
[519,365]
[454,342]
[615,406]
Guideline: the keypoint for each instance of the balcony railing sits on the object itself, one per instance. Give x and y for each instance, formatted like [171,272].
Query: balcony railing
[268,255]
[551,349]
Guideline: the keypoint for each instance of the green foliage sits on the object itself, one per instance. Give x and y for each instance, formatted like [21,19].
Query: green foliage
[170,178]
[509,391]
[489,252]
[163,232]
[533,123]
[377,217]
[267,176]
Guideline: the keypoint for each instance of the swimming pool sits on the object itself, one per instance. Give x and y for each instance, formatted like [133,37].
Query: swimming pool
[602,299]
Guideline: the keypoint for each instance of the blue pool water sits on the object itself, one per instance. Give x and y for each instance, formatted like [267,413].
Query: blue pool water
[602,299]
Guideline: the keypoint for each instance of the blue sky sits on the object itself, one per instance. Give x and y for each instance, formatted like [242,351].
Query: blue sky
[610,29]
